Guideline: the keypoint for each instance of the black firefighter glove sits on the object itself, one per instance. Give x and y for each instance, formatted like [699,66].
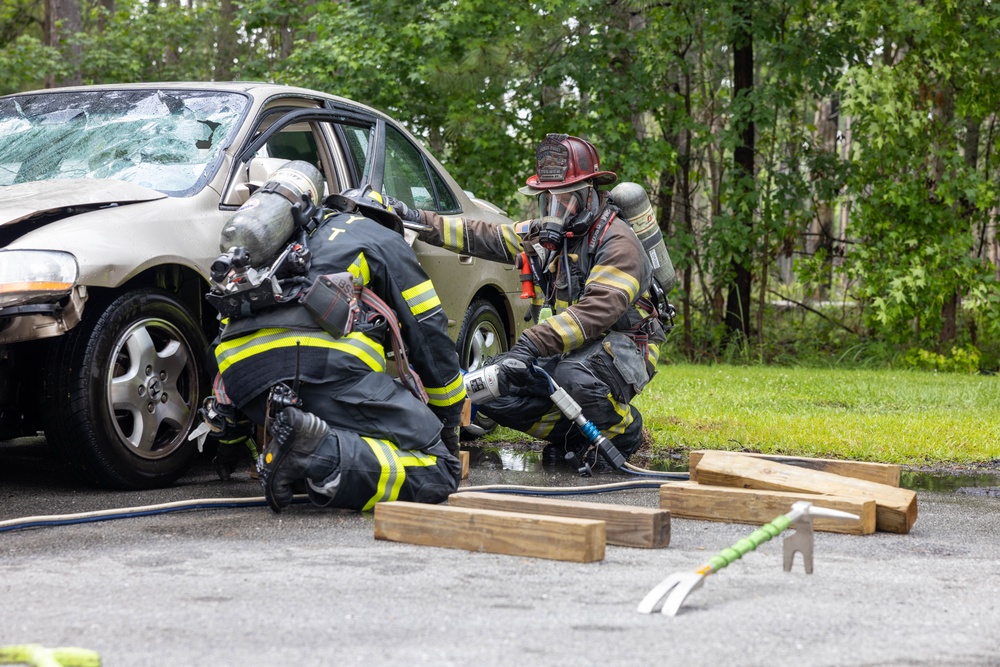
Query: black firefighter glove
[451,426]
[404,212]
[450,436]
[233,431]
[514,370]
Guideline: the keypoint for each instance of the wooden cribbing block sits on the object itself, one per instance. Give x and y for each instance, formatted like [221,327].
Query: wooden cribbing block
[880,473]
[557,538]
[626,526]
[895,508]
[466,413]
[463,457]
[690,500]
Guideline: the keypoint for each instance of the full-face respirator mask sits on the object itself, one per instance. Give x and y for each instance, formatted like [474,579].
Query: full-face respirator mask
[566,214]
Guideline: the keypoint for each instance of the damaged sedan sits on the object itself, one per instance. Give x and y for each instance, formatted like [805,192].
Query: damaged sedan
[112,199]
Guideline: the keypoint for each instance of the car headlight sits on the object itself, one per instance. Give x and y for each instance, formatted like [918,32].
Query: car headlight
[35,276]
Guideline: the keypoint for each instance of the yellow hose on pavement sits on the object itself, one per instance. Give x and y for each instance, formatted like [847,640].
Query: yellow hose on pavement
[37,655]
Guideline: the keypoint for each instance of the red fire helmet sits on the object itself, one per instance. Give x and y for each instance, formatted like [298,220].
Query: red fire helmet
[562,160]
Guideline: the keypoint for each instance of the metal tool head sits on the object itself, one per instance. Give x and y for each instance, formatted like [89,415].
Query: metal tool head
[668,595]
[812,510]
[801,541]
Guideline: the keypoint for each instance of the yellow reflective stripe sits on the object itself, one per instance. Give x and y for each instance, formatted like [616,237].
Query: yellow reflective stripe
[561,305]
[415,459]
[393,474]
[453,232]
[568,329]
[544,426]
[610,276]
[355,343]
[450,394]
[625,411]
[421,298]
[653,353]
[359,268]
[510,239]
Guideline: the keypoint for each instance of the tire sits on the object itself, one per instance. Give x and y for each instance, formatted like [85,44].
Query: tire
[122,391]
[482,337]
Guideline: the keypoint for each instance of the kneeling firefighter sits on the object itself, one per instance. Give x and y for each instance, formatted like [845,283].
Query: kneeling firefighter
[302,351]
[596,306]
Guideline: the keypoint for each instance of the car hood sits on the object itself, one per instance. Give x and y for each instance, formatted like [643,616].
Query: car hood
[25,200]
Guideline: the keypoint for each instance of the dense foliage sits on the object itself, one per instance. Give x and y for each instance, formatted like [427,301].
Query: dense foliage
[871,126]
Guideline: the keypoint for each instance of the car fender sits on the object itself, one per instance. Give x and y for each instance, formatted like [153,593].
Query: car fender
[113,245]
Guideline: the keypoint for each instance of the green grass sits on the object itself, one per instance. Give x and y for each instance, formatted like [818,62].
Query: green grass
[905,417]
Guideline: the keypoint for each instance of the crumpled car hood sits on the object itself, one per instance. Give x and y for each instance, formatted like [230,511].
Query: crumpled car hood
[22,201]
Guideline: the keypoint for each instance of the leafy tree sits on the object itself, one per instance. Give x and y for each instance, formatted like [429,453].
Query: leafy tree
[919,194]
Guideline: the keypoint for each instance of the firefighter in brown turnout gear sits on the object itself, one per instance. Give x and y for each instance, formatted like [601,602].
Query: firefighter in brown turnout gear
[341,427]
[597,329]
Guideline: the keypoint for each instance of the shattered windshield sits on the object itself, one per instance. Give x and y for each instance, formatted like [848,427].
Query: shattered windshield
[166,140]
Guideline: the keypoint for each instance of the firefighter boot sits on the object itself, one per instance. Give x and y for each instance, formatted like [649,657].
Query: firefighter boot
[302,448]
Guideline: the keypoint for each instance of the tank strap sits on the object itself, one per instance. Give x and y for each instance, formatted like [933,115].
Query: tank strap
[600,228]
[279,188]
[407,375]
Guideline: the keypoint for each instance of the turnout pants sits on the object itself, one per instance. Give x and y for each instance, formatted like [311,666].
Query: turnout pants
[586,375]
[389,445]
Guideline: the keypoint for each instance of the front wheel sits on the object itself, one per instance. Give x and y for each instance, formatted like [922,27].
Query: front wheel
[482,337]
[123,389]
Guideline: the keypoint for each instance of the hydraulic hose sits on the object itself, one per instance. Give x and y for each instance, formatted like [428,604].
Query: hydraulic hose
[565,490]
[234,503]
[132,512]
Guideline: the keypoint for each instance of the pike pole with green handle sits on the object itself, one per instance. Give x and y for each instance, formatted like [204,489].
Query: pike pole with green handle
[668,595]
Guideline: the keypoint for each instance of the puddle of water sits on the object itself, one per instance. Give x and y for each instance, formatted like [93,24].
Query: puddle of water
[520,460]
[530,461]
[922,481]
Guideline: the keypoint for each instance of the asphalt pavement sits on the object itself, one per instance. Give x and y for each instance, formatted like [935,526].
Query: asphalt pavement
[313,587]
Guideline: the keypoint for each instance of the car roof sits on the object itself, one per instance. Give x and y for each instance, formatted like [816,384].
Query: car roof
[258,89]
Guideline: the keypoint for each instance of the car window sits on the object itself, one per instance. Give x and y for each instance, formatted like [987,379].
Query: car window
[298,142]
[295,145]
[166,140]
[356,141]
[408,177]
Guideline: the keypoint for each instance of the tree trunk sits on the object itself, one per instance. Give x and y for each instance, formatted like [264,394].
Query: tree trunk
[820,237]
[63,20]
[107,11]
[226,40]
[738,299]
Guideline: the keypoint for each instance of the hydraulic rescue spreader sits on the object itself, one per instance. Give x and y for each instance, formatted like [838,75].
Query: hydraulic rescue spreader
[483,385]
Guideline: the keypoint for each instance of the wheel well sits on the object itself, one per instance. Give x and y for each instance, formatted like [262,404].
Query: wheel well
[186,285]
[497,300]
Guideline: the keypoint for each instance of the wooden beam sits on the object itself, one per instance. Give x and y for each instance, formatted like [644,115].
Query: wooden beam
[895,508]
[556,538]
[463,457]
[627,526]
[690,500]
[880,473]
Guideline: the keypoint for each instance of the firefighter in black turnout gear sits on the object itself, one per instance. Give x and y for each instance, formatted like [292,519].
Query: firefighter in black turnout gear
[597,319]
[340,425]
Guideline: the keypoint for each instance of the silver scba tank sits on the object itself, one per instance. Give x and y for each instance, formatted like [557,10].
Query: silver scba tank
[264,223]
[634,203]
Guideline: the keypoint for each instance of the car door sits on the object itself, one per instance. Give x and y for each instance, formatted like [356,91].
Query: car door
[284,133]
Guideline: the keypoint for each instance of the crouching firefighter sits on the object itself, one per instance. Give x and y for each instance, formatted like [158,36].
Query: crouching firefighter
[310,363]
[596,310]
